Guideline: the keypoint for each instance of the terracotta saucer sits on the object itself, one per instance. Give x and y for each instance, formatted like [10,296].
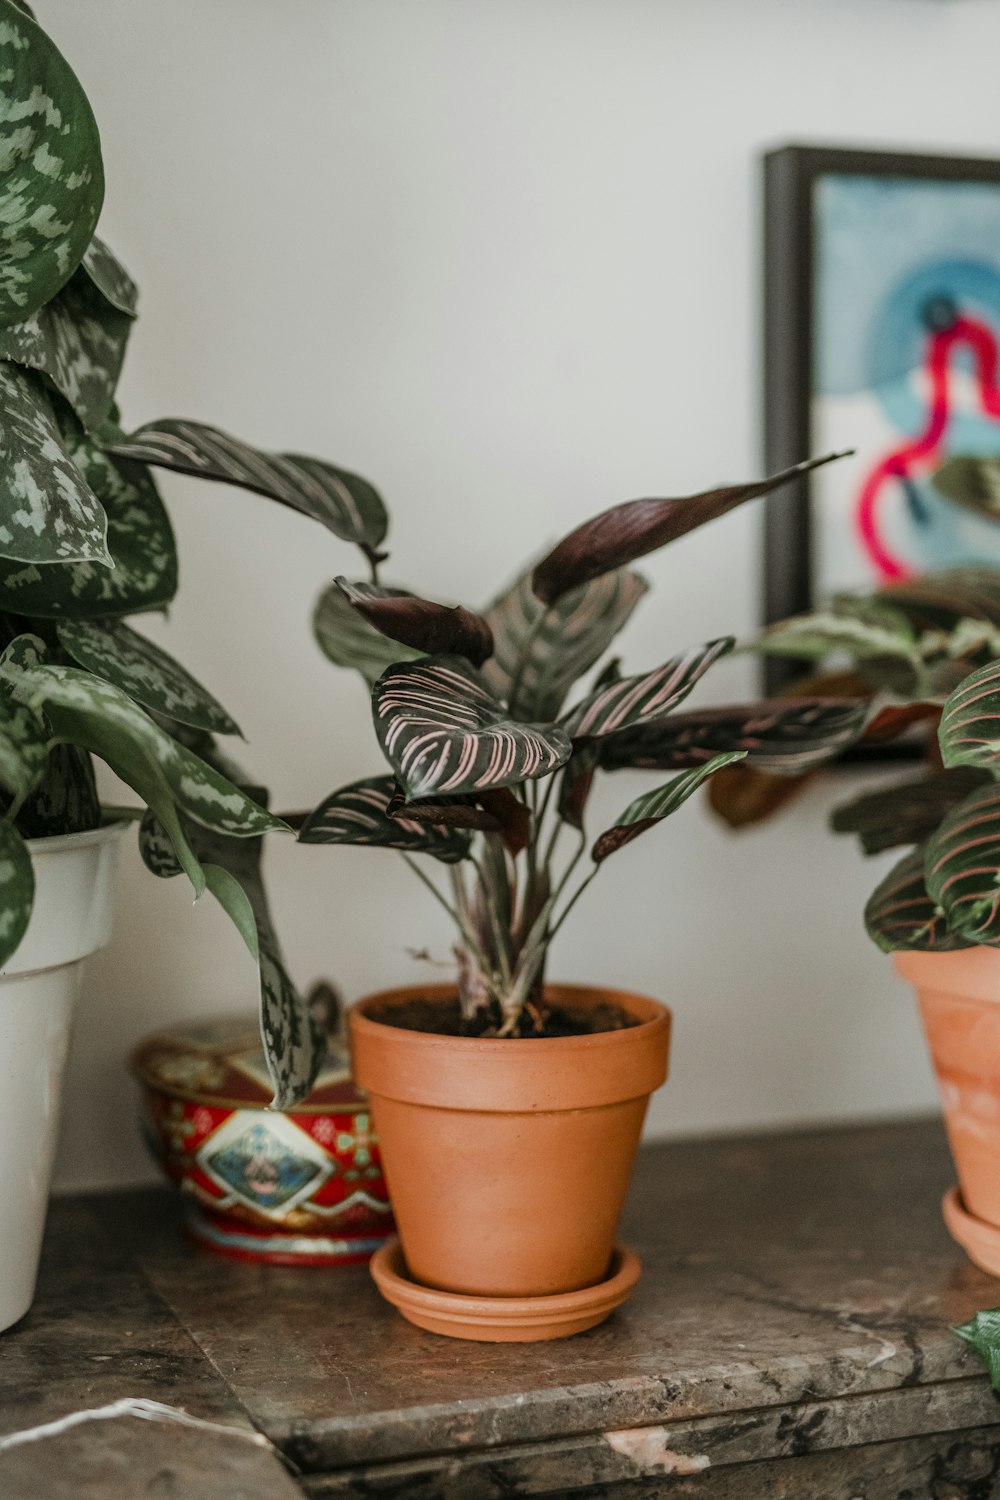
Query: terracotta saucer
[979,1240]
[502,1320]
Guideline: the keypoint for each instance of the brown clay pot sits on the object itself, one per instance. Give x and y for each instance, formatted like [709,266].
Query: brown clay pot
[508,1160]
[959,995]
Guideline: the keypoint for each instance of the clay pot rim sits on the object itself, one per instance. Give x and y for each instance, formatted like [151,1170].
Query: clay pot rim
[966,973]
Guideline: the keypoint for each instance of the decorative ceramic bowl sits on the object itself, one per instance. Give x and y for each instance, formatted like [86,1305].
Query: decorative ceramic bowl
[299,1187]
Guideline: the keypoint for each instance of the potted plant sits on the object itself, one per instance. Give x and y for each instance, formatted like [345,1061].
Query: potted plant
[85,542]
[508,1108]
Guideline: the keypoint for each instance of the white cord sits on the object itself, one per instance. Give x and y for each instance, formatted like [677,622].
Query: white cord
[129,1406]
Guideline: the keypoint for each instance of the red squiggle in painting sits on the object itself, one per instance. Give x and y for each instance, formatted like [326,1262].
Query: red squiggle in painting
[923,452]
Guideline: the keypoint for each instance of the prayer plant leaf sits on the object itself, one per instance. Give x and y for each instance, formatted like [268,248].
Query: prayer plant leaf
[446,812]
[962,866]
[443,732]
[900,914]
[943,597]
[48,512]
[77,340]
[17,881]
[428,628]
[114,651]
[969,732]
[653,807]
[815,636]
[630,702]
[358,814]
[346,638]
[785,735]
[908,813]
[982,1331]
[540,652]
[343,502]
[51,175]
[576,783]
[972,482]
[140,541]
[625,532]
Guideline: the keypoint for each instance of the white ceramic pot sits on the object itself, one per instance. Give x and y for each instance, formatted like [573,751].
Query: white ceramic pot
[38,989]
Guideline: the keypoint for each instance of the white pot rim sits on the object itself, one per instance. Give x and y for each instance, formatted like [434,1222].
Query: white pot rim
[53,843]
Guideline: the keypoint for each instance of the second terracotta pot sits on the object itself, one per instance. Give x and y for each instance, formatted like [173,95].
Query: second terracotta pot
[508,1160]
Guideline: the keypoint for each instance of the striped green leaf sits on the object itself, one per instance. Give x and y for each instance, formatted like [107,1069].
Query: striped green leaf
[784,735]
[540,652]
[423,625]
[17,888]
[631,702]
[114,651]
[348,640]
[900,914]
[651,808]
[358,814]
[442,731]
[77,340]
[343,502]
[962,866]
[815,636]
[24,750]
[51,176]
[969,732]
[908,813]
[48,512]
[140,541]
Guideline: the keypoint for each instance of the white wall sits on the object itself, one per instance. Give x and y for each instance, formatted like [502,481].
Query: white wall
[502,258]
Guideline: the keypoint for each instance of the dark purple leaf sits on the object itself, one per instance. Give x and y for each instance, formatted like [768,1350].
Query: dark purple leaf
[786,735]
[435,629]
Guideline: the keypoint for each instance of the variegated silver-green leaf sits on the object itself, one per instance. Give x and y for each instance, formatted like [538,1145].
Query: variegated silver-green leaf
[65,800]
[140,540]
[540,652]
[158,853]
[652,807]
[900,914]
[784,735]
[346,638]
[632,702]
[345,503]
[442,731]
[120,655]
[962,866]
[48,512]
[51,175]
[358,814]
[815,636]
[109,277]
[17,889]
[24,750]
[77,340]
[969,732]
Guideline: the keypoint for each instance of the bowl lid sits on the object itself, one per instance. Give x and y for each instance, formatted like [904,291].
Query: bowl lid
[219,1061]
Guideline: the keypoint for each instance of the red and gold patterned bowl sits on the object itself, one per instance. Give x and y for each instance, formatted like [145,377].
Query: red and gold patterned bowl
[302,1186]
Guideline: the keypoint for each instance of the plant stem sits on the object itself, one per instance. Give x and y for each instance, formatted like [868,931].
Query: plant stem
[428,882]
[571,903]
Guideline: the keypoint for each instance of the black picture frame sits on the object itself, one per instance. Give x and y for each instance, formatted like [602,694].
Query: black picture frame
[791,174]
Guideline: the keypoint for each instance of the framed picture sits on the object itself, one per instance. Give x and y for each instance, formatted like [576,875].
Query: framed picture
[882,327]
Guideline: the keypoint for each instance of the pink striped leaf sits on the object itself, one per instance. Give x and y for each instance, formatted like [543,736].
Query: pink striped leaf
[651,808]
[343,502]
[784,735]
[631,702]
[962,866]
[442,731]
[900,914]
[969,732]
[359,814]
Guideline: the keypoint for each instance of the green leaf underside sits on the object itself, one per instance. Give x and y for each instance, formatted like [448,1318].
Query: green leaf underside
[971,481]
[969,732]
[65,800]
[48,513]
[17,884]
[634,701]
[77,340]
[140,541]
[358,814]
[109,278]
[348,640]
[625,532]
[51,177]
[781,735]
[574,633]
[421,624]
[962,866]
[908,813]
[442,731]
[651,808]
[341,501]
[114,651]
[982,1331]
[900,914]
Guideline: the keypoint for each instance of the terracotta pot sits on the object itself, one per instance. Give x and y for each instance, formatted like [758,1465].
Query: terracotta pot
[508,1160]
[959,995]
